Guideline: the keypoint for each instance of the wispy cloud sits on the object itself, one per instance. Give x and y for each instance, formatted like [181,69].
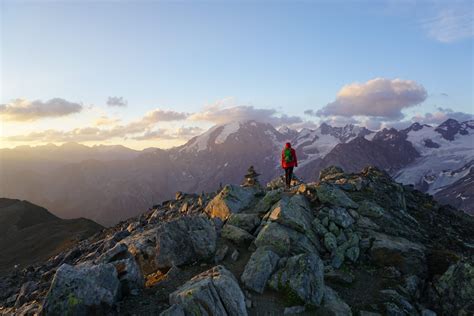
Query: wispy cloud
[450,24]
[25,110]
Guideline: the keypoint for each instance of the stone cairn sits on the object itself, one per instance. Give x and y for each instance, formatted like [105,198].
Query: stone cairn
[251,178]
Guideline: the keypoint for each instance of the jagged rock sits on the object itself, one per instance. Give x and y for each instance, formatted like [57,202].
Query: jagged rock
[129,274]
[412,285]
[303,276]
[370,209]
[119,251]
[232,199]
[142,247]
[25,293]
[184,240]
[407,256]
[456,288]
[236,234]
[427,312]
[82,290]
[284,241]
[264,204]
[399,300]
[293,213]
[247,222]
[213,292]
[328,193]
[330,242]
[333,305]
[259,268]
[338,215]
[366,223]
[330,172]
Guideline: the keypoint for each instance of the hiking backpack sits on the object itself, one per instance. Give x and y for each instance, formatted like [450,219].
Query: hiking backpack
[288,155]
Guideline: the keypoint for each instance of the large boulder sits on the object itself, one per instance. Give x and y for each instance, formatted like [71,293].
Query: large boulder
[294,213]
[259,268]
[247,222]
[213,292]
[184,240]
[265,203]
[331,194]
[82,290]
[143,248]
[232,199]
[236,234]
[406,256]
[456,289]
[283,240]
[303,277]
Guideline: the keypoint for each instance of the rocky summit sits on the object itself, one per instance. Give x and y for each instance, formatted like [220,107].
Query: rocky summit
[348,244]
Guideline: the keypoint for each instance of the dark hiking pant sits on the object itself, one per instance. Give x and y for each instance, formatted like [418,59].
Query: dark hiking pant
[288,176]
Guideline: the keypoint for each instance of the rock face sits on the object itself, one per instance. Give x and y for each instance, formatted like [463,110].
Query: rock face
[333,195]
[213,292]
[303,276]
[259,268]
[82,290]
[232,199]
[195,237]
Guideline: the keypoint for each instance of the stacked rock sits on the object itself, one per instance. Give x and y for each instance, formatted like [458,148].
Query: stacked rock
[251,178]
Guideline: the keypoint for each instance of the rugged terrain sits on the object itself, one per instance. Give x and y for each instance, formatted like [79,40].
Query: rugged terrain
[30,234]
[349,244]
[431,158]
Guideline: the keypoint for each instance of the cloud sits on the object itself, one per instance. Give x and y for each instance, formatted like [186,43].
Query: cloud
[105,120]
[441,115]
[379,97]
[450,24]
[24,110]
[221,114]
[159,115]
[117,101]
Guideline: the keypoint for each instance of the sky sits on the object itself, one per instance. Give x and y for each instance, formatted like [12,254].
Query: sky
[156,73]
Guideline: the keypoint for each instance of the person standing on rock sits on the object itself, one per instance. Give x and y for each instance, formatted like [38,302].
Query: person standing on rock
[288,162]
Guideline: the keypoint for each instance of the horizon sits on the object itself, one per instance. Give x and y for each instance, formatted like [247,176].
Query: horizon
[156,74]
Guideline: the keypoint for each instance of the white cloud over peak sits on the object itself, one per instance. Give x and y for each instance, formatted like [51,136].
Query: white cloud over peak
[379,97]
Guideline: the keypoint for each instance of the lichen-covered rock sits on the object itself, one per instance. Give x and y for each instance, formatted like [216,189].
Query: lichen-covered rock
[183,240]
[370,209]
[265,203]
[407,256]
[338,215]
[142,247]
[236,234]
[259,268]
[214,292]
[330,172]
[247,222]
[82,290]
[283,240]
[456,289]
[330,194]
[330,242]
[232,199]
[293,212]
[303,277]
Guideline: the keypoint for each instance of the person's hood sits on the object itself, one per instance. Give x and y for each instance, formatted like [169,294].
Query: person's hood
[287,145]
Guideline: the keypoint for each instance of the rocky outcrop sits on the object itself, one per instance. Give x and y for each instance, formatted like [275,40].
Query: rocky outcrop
[232,199]
[83,290]
[259,268]
[213,292]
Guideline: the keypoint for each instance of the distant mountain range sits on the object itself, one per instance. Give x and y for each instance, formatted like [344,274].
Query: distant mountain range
[112,183]
[30,234]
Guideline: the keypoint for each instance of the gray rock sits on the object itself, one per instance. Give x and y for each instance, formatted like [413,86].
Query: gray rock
[293,213]
[235,255]
[264,204]
[118,252]
[339,215]
[330,242]
[353,253]
[294,310]
[366,313]
[339,276]
[232,199]
[319,227]
[221,253]
[407,256]
[213,292]
[427,312]
[303,275]
[284,241]
[142,247]
[129,274]
[82,290]
[259,268]
[25,293]
[236,234]
[333,305]
[174,310]
[370,209]
[330,194]
[184,240]
[247,222]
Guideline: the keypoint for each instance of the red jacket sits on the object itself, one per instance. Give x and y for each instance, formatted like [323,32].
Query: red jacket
[293,163]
